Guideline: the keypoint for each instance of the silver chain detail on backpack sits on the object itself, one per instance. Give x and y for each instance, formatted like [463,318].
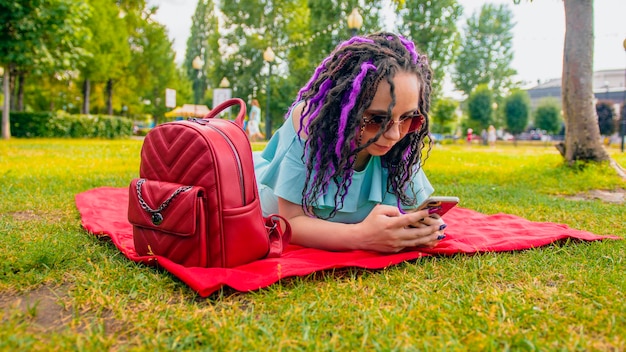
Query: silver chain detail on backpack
[157,217]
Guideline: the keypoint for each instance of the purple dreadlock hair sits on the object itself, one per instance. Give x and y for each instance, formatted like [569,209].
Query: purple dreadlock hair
[338,93]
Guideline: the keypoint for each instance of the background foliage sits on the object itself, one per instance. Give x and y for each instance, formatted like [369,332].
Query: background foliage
[111,57]
[115,59]
[606,117]
[517,111]
[548,115]
[480,107]
[487,51]
[443,115]
[61,124]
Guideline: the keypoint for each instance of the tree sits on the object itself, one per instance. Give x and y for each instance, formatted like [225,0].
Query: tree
[486,51]
[547,115]
[443,112]
[480,107]
[300,32]
[328,26]
[38,37]
[109,48]
[432,26]
[606,121]
[204,43]
[152,65]
[516,111]
[582,134]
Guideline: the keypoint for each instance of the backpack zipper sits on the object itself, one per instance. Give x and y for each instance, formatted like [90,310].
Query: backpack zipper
[237,158]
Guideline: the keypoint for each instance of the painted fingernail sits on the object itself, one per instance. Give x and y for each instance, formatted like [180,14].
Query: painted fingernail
[441,237]
[433,210]
[443,226]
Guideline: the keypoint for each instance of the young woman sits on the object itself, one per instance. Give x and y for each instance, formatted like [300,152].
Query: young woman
[345,167]
[254,133]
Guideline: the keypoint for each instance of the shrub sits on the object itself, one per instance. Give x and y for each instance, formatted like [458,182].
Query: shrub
[548,115]
[30,124]
[479,107]
[604,109]
[442,114]
[516,111]
[66,125]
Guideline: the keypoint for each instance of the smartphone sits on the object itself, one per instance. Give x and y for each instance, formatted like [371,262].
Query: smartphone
[443,204]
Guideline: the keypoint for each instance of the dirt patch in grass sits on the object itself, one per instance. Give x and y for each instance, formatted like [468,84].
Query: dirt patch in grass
[24,215]
[48,309]
[45,308]
[51,216]
[617,196]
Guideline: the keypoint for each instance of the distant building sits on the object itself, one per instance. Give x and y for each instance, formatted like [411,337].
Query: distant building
[610,85]
[549,88]
[607,85]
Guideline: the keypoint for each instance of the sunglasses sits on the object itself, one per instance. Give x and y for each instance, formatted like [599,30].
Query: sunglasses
[407,123]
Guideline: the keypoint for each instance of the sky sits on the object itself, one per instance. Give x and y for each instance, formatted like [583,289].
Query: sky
[538,34]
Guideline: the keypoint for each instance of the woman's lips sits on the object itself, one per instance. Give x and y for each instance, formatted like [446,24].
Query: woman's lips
[383,148]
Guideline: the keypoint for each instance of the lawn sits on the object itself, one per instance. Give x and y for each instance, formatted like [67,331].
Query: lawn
[63,289]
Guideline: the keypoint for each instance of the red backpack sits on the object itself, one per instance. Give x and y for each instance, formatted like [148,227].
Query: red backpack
[196,201]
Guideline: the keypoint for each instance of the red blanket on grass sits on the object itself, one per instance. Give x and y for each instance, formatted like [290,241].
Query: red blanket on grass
[103,211]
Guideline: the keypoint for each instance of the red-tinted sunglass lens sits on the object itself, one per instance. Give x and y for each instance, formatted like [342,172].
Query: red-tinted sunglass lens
[416,123]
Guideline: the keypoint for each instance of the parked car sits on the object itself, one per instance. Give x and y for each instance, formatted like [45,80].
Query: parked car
[536,135]
[439,138]
[507,137]
[532,135]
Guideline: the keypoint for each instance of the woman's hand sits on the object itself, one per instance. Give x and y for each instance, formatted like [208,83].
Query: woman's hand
[430,221]
[387,230]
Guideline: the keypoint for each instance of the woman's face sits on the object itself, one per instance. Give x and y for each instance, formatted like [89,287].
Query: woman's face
[407,90]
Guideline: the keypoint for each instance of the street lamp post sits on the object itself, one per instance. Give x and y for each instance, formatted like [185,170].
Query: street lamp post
[224,83]
[355,21]
[196,64]
[222,94]
[268,55]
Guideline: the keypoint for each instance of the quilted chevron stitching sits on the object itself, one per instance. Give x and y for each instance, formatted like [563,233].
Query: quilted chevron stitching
[164,156]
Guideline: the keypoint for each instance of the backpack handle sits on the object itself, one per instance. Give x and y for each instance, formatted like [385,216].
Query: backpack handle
[228,103]
[279,238]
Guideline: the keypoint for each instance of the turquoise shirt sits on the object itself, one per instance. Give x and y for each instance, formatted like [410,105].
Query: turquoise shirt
[280,172]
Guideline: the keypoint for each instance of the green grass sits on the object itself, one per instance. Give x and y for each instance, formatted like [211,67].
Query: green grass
[63,289]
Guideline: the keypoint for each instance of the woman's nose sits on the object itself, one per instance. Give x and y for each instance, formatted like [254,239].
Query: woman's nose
[393,133]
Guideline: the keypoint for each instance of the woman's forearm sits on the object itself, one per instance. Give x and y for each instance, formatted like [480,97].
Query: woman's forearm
[322,234]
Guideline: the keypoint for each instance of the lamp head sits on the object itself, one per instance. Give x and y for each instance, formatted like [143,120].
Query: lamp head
[355,20]
[197,63]
[268,54]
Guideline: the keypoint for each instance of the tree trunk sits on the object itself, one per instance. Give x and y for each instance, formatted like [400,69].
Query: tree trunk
[582,133]
[109,97]
[86,89]
[12,90]
[6,126]
[20,92]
